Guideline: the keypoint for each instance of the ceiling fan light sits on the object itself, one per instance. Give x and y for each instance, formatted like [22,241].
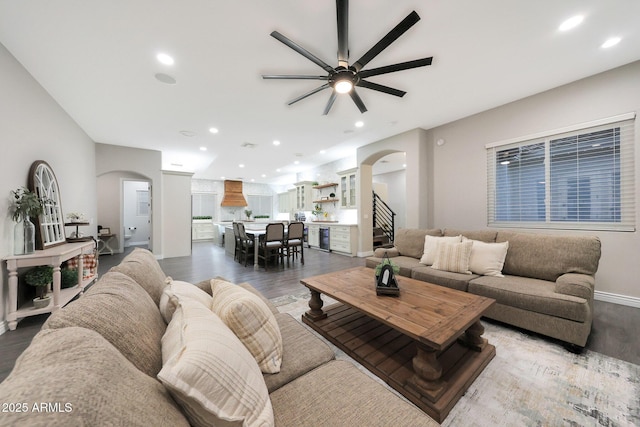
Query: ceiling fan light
[343,86]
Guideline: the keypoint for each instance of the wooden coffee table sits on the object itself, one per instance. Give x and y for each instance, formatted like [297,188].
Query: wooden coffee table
[426,343]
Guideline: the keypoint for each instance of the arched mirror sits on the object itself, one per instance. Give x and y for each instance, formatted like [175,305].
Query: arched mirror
[50,224]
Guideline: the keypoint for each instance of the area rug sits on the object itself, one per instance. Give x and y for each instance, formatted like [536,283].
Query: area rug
[532,382]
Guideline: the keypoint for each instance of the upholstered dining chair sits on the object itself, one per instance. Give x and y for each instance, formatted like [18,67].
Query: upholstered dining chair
[238,247]
[272,244]
[247,244]
[294,241]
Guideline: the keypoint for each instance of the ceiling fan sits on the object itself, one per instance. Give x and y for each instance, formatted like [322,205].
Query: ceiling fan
[344,78]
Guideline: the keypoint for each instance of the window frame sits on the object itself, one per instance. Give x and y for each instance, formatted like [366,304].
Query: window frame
[626,187]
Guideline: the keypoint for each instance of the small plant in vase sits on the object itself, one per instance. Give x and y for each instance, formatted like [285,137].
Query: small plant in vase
[40,277]
[317,211]
[394,266]
[25,205]
[248,213]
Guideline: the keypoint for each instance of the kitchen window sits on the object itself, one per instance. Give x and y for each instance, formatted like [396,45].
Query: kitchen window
[580,177]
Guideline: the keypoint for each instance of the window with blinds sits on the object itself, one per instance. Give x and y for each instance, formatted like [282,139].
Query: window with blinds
[204,204]
[580,177]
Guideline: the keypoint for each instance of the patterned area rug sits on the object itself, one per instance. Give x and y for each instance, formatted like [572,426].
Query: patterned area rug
[533,382]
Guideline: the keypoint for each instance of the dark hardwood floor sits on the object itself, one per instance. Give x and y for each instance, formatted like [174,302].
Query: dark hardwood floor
[613,332]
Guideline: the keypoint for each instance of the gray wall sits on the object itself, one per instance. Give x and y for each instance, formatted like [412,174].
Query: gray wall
[459,166]
[34,127]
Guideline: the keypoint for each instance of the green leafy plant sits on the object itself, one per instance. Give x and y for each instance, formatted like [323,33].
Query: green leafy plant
[25,203]
[69,277]
[248,213]
[40,277]
[260,216]
[202,217]
[385,261]
[317,210]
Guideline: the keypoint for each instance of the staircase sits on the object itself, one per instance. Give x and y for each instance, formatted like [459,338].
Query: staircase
[383,223]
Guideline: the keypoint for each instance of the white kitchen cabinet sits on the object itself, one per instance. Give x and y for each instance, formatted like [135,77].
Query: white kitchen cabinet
[313,237]
[202,229]
[343,239]
[304,200]
[348,188]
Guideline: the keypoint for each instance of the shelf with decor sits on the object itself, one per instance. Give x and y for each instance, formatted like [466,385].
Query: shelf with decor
[54,257]
[321,186]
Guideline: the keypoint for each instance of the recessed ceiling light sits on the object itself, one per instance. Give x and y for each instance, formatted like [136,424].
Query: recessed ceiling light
[296,162]
[252,179]
[264,175]
[213,130]
[165,59]
[165,78]
[241,165]
[276,142]
[359,124]
[323,151]
[278,170]
[203,148]
[404,165]
[222,177]
[570,23]
[611,42]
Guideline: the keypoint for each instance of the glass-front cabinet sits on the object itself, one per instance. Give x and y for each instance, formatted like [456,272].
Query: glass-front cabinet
[303,196]
[348,188]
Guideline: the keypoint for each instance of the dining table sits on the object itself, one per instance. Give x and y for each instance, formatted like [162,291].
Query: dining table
[256,231]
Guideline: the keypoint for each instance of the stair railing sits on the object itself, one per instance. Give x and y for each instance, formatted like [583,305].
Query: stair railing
[383,217]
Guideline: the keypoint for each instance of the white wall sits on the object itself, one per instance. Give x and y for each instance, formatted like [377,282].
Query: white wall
[34,127]
[115,163]
[176,214]
[459,166]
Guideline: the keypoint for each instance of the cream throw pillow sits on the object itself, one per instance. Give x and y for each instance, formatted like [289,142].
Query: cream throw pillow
[208,371]
[176,290]
[430,246]
[488,258]
[251,320]
[453,257]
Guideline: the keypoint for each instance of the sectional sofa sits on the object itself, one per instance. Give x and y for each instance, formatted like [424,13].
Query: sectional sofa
[544,283]
[139,349]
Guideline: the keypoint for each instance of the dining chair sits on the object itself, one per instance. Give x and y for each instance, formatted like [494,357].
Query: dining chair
[238,247]
[247,244]
[272,243]
[294,241]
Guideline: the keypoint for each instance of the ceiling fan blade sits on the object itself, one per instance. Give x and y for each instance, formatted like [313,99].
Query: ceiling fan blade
[332,99]
[342,9]
[381,88]
[396,67]
[303,96]
[358,101]
[294,77]
[392,36]
[302,51]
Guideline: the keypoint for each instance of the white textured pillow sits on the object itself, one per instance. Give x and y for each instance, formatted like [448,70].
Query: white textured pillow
[251,320]
[174,291]
[430,246]
[488,258]
[453,257]
[208,371]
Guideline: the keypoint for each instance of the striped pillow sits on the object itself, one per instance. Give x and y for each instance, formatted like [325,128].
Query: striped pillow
[252,322]
[453,257]
[211,375]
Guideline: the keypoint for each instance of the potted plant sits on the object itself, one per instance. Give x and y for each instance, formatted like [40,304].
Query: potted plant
[40,277]
[248,213]
[317,210]
[394,266]
[25,205]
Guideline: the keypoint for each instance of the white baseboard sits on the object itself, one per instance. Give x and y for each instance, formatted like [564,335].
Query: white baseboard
[617,299]
[364,254]
[4,327]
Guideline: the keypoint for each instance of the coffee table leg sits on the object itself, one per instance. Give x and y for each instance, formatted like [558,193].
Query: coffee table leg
[427,369]
[472,337]
[315,304]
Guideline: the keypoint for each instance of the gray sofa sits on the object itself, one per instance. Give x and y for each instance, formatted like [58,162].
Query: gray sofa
[95,363]
[548,284]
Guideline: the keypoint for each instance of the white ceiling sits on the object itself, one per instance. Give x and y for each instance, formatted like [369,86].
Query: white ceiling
[97,59]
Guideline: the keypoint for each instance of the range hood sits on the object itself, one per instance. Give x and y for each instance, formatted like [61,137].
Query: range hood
[233,194]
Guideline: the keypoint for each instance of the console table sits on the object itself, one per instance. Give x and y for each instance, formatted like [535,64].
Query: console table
[54,257]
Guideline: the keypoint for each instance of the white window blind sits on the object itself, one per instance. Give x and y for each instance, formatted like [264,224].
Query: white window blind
[576,178]
[204,204]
